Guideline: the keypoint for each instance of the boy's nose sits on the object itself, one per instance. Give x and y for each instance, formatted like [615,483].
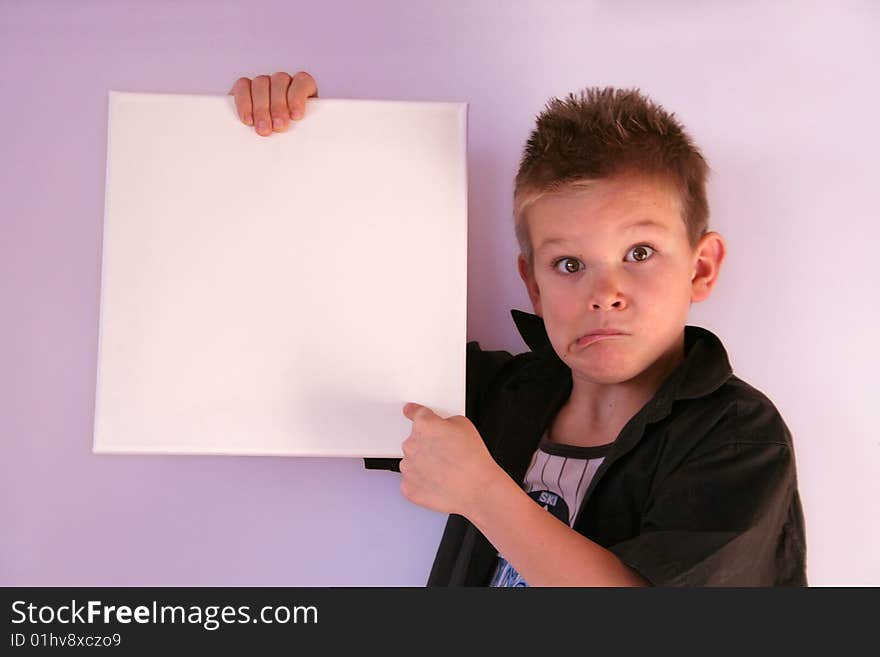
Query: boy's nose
[608,303]
[605,293]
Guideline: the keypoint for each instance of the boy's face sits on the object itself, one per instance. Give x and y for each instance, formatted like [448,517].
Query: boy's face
[615,256]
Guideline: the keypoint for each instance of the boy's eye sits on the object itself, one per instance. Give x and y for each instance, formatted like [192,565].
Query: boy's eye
[639,253]
[569,265]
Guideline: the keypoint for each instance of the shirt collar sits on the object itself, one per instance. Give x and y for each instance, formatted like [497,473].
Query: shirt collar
[705,367]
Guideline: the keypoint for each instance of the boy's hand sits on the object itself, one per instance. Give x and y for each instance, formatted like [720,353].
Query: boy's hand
[270,102]
[445,465]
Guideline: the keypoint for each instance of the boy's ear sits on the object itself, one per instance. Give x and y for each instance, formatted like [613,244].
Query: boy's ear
[709,255]
[528,278]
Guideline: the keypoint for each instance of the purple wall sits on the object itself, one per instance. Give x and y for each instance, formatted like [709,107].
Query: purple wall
[782,101]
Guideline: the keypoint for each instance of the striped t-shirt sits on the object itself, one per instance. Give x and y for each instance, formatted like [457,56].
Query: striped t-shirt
[557,479]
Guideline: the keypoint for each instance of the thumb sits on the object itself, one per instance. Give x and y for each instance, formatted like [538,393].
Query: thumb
[412,411]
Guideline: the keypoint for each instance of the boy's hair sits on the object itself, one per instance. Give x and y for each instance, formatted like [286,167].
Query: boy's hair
[602,133]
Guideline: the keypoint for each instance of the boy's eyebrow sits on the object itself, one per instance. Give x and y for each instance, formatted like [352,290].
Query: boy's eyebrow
[554,240]
[649,223]
[644,223]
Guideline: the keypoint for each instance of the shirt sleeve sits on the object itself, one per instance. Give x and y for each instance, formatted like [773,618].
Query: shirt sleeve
[719,519]
[481,368]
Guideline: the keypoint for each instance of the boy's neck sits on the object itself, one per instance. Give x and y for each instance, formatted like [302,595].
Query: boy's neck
[596,413]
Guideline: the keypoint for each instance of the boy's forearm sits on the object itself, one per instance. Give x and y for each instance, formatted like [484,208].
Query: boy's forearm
[543,550]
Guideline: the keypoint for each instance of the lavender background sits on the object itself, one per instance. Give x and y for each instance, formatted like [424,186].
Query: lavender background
[781,96]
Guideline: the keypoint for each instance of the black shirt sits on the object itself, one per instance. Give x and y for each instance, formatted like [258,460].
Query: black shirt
[699,488]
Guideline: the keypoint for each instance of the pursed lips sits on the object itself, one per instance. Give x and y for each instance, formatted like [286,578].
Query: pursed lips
[598,334]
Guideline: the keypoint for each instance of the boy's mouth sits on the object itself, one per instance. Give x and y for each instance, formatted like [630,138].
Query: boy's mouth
[598,334]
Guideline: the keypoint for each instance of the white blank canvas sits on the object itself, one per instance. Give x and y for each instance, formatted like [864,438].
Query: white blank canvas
[282,295]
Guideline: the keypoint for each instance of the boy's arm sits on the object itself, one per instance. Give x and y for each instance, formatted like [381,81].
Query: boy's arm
[544,550]
[448,468]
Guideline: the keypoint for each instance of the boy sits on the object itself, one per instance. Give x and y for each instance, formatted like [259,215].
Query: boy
[621,450]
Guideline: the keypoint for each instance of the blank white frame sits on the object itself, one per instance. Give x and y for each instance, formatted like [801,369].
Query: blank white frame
[282,295]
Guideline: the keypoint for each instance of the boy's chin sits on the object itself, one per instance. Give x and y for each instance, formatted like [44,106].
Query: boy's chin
[603,370]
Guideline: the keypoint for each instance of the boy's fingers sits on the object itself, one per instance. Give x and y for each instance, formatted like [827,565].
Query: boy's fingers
[409,410]
[260,98]
[302,86]
[241,91]
[414,411]
[278,101]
